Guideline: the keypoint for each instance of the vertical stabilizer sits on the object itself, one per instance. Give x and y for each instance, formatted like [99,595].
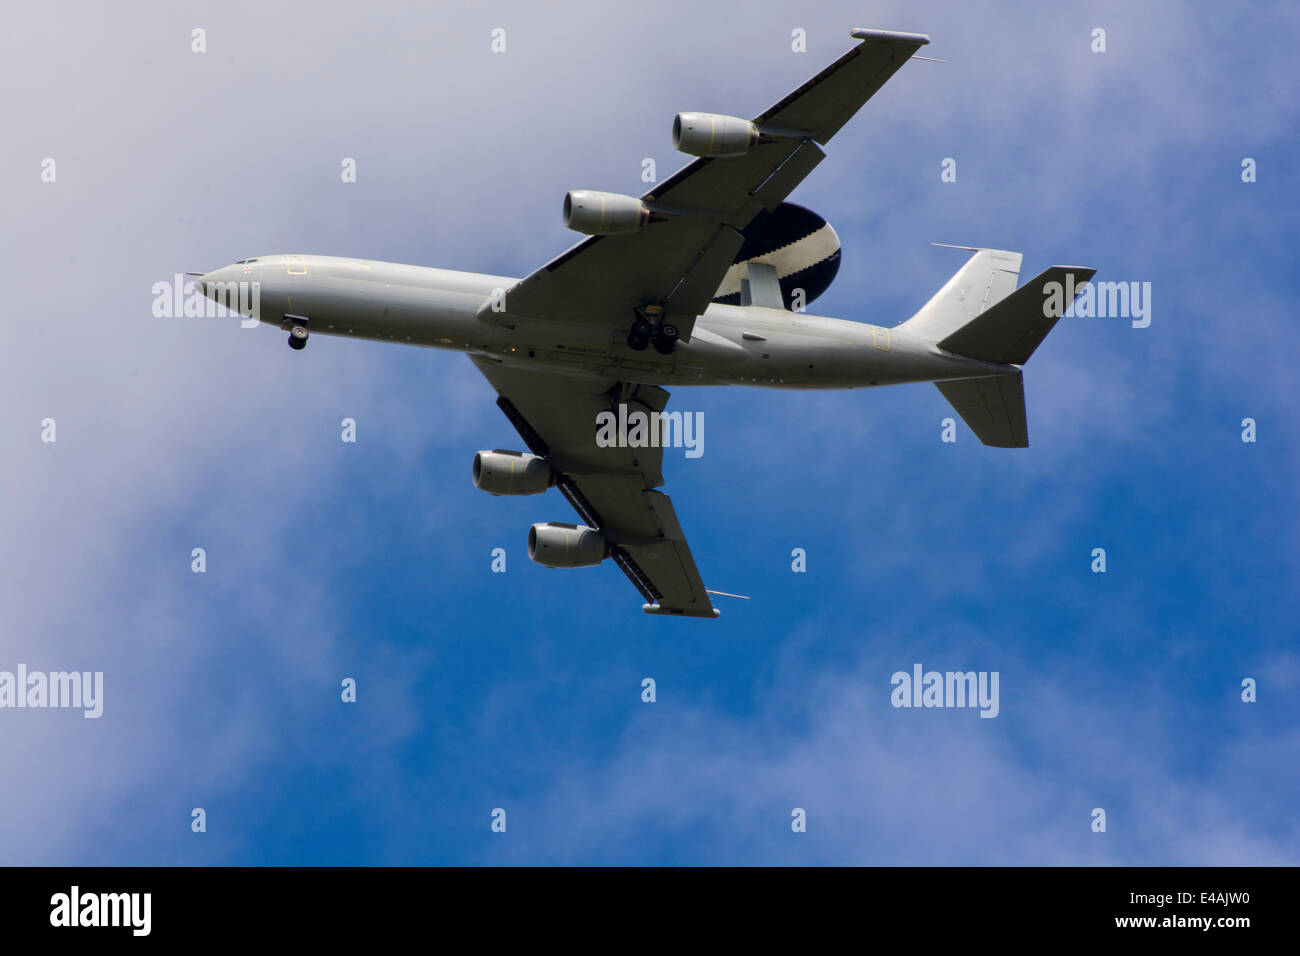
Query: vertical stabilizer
[988,277]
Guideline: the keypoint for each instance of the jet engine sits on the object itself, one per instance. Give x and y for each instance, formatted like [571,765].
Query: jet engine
[558,545]
[710,134]
[604,214]
[511,473]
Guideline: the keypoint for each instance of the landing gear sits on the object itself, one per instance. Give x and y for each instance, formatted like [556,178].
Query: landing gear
[297,327]
[666,339]
[663,335]
[639,338]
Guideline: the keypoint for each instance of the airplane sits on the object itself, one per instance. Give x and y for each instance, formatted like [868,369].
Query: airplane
[701,281]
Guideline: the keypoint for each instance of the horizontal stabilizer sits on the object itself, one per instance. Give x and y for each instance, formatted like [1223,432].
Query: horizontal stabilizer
[1009,331]
[993,408]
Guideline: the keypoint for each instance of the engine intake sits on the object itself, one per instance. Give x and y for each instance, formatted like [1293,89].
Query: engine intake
[604,214]
[558,545]
[711,134]
[511,473]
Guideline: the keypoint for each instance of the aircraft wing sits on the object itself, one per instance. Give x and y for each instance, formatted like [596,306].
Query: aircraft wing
[679,262]
[612,489]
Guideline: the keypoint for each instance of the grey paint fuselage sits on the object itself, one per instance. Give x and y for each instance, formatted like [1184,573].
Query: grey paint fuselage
[729,345]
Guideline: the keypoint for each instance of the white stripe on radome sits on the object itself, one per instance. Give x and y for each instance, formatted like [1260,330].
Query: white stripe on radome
[788,259]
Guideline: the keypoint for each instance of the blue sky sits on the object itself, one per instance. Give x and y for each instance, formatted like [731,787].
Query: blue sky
[522,690]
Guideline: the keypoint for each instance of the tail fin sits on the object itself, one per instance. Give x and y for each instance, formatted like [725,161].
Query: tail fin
[989,276]
[980,314]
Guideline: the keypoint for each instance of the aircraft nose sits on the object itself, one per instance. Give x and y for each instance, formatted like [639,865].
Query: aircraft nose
[208,282]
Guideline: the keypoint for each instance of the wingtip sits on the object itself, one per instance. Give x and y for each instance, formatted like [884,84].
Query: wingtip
[675,612]
[861,33]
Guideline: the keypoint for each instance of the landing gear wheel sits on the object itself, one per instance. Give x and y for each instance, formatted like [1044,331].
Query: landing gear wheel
[637,341]
[297,337]
[665,338]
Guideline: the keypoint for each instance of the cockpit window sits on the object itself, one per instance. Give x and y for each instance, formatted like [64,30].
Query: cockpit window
[241,262]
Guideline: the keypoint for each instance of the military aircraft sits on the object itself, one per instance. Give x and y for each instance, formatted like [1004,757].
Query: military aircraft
[701,281]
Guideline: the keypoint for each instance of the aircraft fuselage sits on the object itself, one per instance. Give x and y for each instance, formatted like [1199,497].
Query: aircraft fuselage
[439,308]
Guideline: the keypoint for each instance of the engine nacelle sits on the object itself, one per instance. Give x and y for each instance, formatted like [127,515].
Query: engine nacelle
[604,214]
[558,545]
[710,134]
[511,473]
